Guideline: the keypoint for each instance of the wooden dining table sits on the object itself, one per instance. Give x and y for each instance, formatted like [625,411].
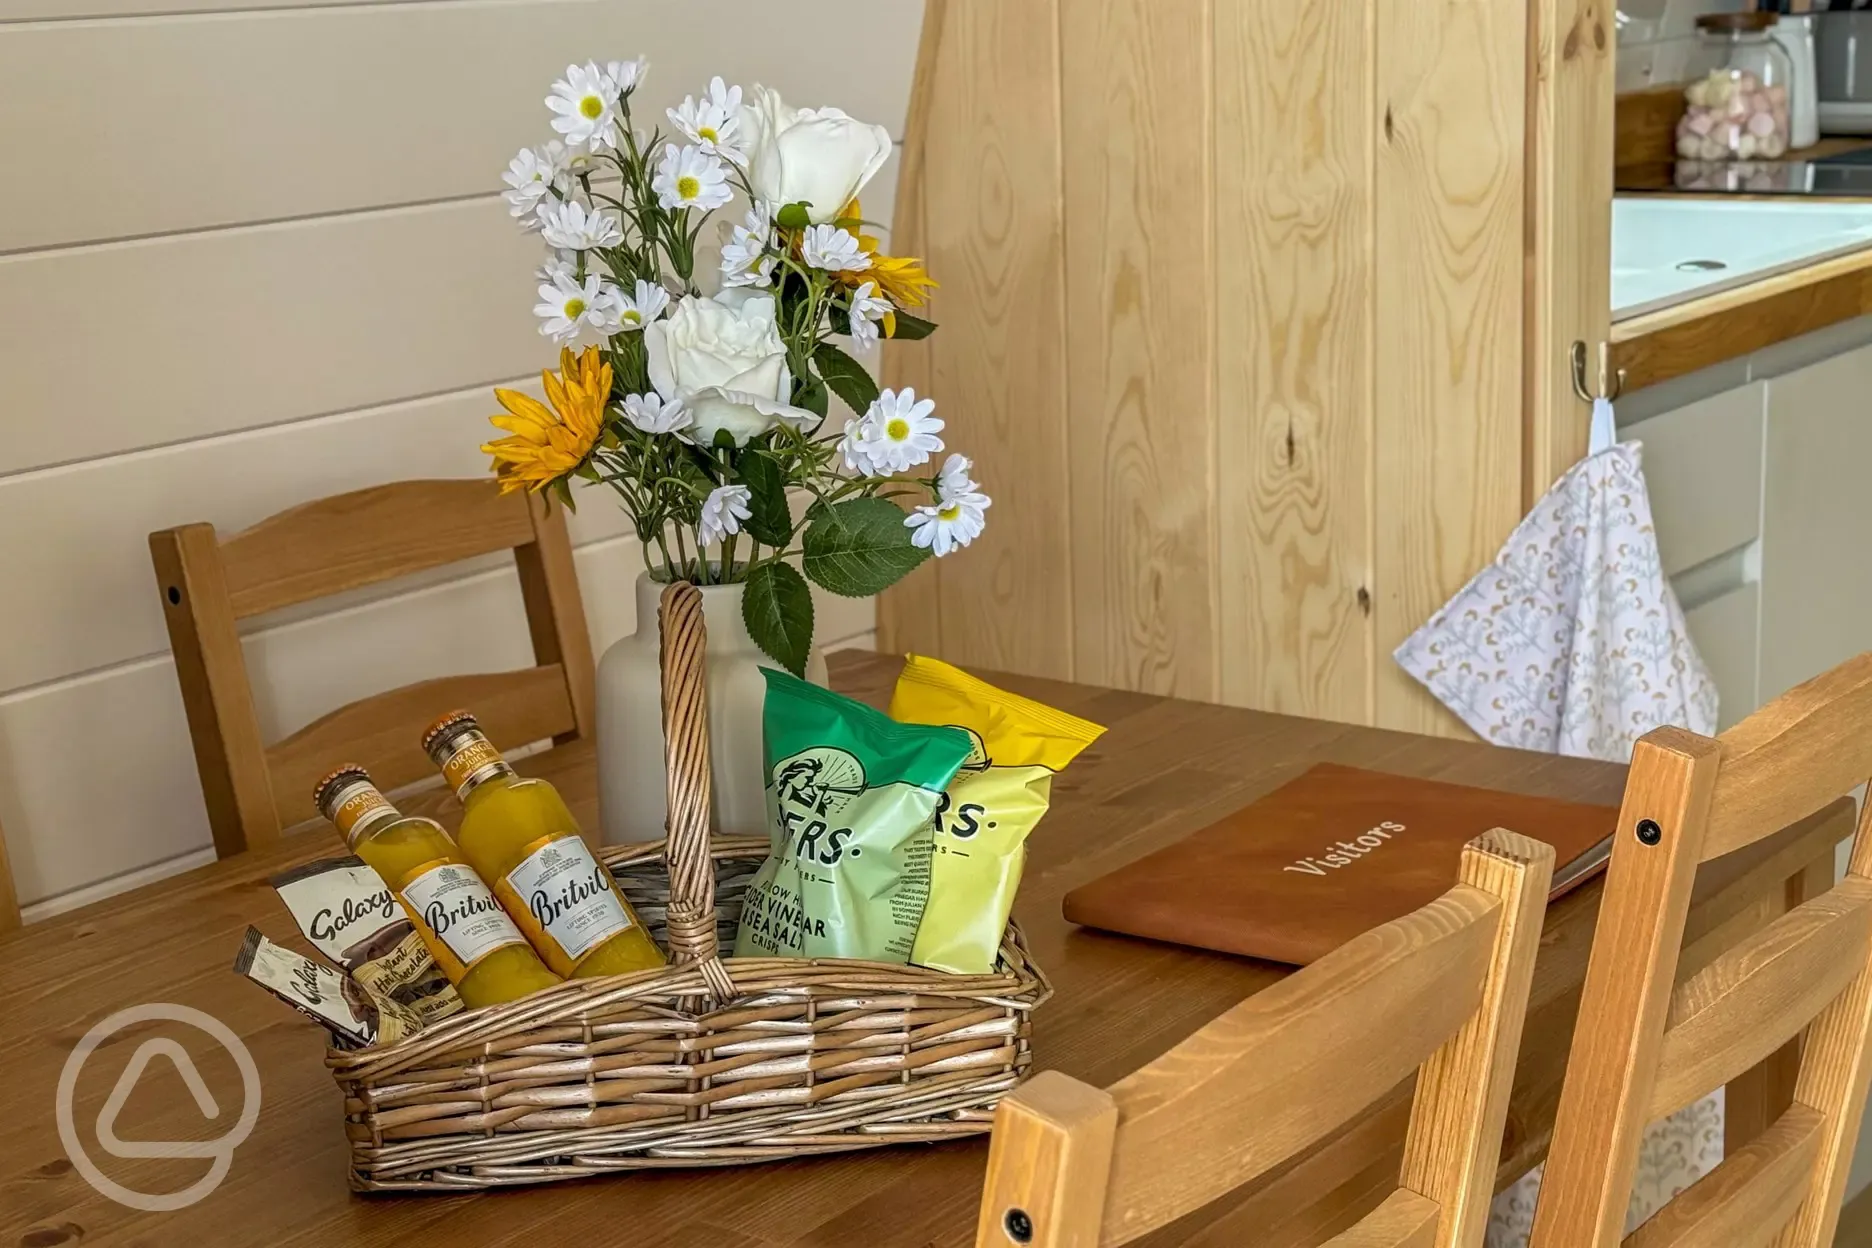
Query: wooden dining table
[1165,769]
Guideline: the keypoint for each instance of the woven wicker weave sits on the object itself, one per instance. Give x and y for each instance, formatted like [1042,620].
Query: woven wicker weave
[709,1061]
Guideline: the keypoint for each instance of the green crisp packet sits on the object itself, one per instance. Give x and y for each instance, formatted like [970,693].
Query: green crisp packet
[851,801]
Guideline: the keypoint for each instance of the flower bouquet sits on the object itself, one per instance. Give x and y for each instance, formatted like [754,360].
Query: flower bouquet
[707,413]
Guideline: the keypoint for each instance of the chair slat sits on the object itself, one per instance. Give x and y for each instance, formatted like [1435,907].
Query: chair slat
[515,708]
[1759,995]
[351,540]
[1745,1201]
[1461,1100]
[1405,1220]
[1720,893]
[1789,758]
[1285,1067]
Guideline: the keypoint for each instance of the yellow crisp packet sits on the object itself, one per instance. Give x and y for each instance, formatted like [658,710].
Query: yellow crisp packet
[987,810]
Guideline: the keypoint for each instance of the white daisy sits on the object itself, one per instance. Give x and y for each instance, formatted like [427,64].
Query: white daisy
[744,257]
[637,310]
[866,311]
[722,513]
[536,175]
[570,227]
[628,75]
[857,451]
[898,431]
[559,263]
[567,306]
[691,178]
[586,101]
[581,163]
[828,247]
[713,123]
[653,414]
[949,525]
[954,478]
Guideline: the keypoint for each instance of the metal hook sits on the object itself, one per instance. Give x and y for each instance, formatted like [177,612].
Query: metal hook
[1611,384]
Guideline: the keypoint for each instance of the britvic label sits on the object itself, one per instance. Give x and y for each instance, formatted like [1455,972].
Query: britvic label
[453,903]
[570,896]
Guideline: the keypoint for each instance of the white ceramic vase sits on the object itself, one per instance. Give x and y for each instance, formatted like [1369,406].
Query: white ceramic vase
[632,788]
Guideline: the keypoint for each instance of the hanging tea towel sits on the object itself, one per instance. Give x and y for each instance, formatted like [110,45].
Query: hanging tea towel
[1572,642]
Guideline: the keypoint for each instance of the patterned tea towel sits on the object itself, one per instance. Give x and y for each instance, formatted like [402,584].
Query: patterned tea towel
[1572,642]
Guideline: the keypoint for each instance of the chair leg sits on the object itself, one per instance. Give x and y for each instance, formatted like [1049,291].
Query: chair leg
[1048,1164]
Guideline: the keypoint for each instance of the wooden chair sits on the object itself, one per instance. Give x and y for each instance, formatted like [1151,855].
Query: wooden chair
[1440,993]
[208,584]
[1647,1045]
[9,899]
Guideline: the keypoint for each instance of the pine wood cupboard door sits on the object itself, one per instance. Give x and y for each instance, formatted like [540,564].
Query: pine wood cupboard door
[1241,310]
[1572,47]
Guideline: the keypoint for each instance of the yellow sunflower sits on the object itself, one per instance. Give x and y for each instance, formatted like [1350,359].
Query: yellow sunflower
[900,279]
[545,445]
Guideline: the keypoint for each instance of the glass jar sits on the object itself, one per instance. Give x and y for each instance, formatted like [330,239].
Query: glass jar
[1739,111]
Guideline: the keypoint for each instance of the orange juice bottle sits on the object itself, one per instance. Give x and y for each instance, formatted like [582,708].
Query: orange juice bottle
[519,835]
[468,933]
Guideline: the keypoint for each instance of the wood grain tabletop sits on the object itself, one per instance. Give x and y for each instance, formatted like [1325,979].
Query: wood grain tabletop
[1165,769]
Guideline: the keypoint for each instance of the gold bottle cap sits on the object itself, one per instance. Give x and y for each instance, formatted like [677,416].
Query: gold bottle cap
[437,736]
[349,798]
[457,745]
[327,790]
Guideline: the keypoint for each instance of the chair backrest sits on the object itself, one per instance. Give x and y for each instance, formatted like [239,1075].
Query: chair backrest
[9,898]
[208,584]
[1646,1045]
[1440,993]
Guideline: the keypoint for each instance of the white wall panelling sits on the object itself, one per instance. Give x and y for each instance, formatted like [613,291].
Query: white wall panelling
[284,273]
[258,116]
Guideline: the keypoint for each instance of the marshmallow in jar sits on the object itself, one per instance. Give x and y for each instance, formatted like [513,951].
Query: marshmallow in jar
[1740,110]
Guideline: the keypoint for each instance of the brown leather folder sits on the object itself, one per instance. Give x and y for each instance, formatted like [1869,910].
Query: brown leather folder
[1324,857]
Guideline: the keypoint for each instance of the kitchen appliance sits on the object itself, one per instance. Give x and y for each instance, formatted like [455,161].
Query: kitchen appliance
[1843,70]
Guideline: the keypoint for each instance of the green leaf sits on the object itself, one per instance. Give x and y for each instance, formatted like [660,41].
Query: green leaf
[846,377]
[793,216]
[911,328]
[770,522]
[860,547]
[810,393]
[777,609]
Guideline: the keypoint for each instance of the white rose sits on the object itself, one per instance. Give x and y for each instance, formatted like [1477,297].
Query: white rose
[727,363]
[816,155]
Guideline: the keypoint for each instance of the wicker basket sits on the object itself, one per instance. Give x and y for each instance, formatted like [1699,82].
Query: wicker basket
[709,1061]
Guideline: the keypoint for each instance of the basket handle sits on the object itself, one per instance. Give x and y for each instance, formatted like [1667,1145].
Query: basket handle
[686,764]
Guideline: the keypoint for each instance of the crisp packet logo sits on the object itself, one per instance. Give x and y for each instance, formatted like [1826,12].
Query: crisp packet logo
[820,782]
[219,1151]
[813,788]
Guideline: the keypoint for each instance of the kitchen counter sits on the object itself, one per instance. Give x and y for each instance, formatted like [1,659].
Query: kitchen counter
[1699,280]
